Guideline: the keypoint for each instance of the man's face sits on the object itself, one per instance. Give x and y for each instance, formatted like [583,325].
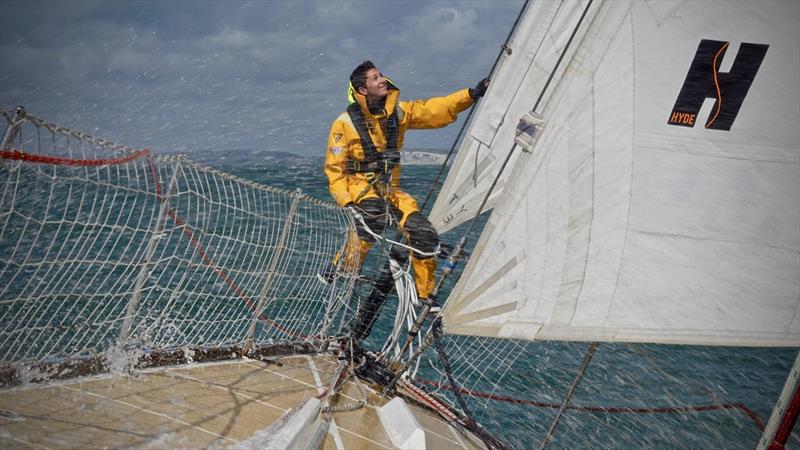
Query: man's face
[376,85]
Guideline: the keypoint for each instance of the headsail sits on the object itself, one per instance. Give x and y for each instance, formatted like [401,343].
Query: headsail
[519,79]
[662,201]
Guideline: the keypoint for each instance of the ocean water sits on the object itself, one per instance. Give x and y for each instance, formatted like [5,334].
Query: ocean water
[631,396]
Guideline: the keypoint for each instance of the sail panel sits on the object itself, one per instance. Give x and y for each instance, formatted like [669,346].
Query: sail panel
[624,227]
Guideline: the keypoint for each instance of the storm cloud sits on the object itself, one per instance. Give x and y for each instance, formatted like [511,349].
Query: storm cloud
[271,75]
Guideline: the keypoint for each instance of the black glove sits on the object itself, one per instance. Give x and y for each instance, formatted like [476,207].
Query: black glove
[479,89]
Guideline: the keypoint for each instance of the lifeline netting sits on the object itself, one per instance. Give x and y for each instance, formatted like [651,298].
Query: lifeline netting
[104,246]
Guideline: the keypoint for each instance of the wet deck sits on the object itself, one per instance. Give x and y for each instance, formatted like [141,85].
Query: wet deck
[195,406]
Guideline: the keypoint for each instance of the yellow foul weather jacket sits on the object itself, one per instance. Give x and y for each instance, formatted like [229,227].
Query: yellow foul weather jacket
[344,143]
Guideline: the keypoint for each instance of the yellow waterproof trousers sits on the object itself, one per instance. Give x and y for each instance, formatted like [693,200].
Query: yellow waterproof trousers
[417,229]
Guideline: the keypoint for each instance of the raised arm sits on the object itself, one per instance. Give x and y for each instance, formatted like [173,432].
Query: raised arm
[440,111]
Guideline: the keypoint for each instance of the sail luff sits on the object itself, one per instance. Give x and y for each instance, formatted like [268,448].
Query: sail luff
[519,79]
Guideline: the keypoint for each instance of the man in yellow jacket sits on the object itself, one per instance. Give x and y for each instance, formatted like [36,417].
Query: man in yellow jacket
[362,162]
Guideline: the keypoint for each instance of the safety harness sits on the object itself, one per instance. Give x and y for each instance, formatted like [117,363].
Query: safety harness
[375,164]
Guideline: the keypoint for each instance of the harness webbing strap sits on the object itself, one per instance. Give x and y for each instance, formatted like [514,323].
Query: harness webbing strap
[373,159]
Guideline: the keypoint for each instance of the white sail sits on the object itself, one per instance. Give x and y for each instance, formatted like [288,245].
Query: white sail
[533,51]
[622,226]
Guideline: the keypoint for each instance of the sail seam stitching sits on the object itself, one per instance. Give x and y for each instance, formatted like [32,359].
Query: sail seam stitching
[630,192]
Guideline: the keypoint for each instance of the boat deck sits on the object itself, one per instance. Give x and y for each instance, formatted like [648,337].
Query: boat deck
[196,406]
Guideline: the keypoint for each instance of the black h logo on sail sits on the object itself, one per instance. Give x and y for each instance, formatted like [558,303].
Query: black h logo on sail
[705,81]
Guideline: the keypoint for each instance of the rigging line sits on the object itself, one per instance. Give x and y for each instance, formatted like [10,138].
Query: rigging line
[561,56]
[535,106]
[503,49]
[514,146]
[19,155]
[452,414]
[700,388]
[437,343]
[381,238]
[12,128]
[578,377]
[604,409]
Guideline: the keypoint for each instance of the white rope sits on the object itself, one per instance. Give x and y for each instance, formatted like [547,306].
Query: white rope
[407,300]
[406,295]
[360,218]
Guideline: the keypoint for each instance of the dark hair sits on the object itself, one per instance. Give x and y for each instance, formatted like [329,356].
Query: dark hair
[359,76]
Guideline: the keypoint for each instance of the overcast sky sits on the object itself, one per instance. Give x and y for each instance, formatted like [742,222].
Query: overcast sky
[271,75]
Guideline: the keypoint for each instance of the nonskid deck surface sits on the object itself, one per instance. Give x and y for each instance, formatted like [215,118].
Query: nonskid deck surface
[362,428]
[205,405]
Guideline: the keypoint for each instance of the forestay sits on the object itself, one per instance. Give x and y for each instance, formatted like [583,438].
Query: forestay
[662,201]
